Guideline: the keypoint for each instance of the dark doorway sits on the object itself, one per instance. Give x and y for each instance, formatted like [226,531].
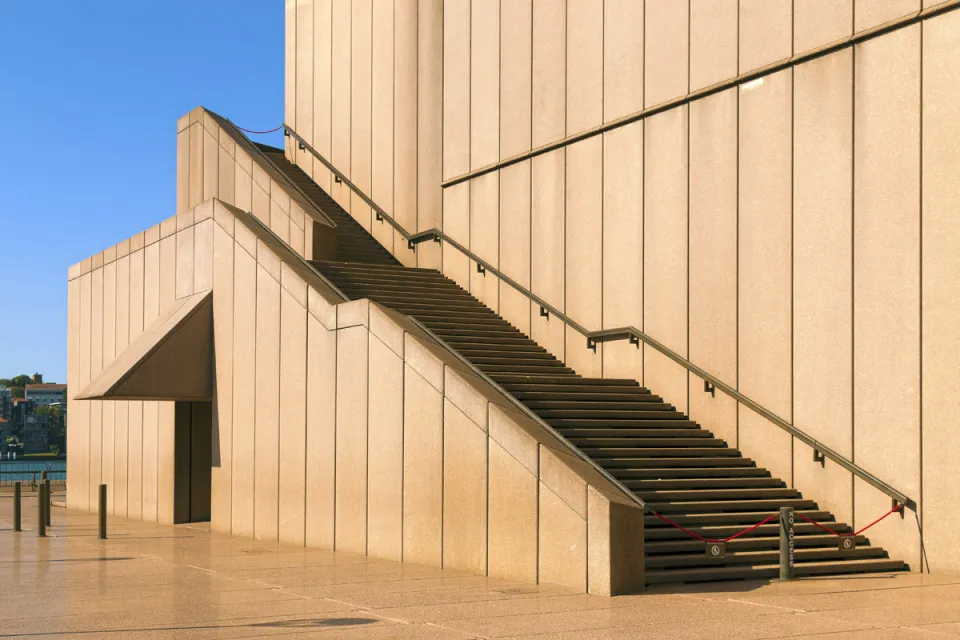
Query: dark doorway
[193,443]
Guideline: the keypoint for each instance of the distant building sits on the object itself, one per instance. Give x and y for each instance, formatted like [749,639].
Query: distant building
[44,395]
[6,403]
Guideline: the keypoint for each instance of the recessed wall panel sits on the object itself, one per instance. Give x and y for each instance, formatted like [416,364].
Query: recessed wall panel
[351,440]
[764,330]
[464,492]
[385,454]
[422,471]
[584,65]
[547,235]
[622,58]
[322,88]
[267,427]
[886,276]
[244,390]
[823,279]
[549,72]
[819,22]
[713,41]
[321,433]
[515,243]
[293,420]
[456,87]
[341,78]
[584,247]
[221,471]
[765,32]
[665,251]
[713,257]
[941,250]
[360,108]
[382,119]
[666,51]
[516,24]
[623,246]
[484,83]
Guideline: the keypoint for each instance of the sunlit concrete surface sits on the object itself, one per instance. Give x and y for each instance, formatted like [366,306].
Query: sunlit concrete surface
[162,581]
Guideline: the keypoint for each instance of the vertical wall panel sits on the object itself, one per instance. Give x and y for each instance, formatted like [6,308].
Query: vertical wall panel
[185,260]
[351,439]
[244,391]
[886,276]
[484,235]
[870,13]
[623,246]
[713,257]
[547,238]
[166,457]
[290,64]
[515,243]
[713,41]
[941,302]
[321,433]
[341,92]
[360,104]
[822,280]
[382,132]
[456,87]
[666,50]
[322,88]
[149,491]
[515,104]
[96,366]
[584,247]
[549,72]
[584,65]
[135,408]
[222,466]
[765,266]
[485,83]
[385,454]
[429,125]
[108,451]
[422,471]
[293,427]
[818,22]
[405,120]
[73,382]
[665,250]
[622,58]
[267,436]
[456,224]
[464,492]
[304,78]
[766,28]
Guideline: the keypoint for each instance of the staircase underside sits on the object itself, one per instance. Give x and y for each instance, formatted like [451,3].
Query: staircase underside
[678,468]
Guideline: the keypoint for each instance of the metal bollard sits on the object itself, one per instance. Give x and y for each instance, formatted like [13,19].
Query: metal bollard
[47,500]
[41,511]
[103,512]
[17,494]
[786,543]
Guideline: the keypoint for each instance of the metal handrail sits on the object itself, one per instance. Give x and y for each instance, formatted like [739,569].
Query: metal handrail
[634,335]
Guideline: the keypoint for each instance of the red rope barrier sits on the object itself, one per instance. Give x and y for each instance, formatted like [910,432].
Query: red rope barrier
[260,133]
[895,509]
[702,539]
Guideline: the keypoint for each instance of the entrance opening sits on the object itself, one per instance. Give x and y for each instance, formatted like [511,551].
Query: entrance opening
[193,458]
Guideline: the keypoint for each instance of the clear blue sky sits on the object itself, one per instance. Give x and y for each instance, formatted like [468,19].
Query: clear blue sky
[90,93]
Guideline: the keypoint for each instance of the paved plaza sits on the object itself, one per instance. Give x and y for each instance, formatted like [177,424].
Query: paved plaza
[158,581]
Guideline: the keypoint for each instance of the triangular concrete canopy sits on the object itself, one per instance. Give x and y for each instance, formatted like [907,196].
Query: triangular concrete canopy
[171,360]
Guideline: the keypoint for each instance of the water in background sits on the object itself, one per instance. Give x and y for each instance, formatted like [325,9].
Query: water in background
[29,471]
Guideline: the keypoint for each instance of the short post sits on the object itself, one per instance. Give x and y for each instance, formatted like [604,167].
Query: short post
[47,500]
[786,543]
[103,512]
[16,505]
[41,511]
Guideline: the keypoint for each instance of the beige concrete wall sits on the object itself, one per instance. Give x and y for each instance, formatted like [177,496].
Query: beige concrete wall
[216,161]
[339,425]
[770,232]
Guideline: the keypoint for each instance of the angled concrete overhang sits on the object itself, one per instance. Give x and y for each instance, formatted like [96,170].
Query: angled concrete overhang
[171,360]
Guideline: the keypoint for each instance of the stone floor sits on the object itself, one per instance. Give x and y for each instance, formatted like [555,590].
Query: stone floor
[157,581]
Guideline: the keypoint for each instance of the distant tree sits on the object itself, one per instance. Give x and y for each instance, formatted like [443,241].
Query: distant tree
[16,384]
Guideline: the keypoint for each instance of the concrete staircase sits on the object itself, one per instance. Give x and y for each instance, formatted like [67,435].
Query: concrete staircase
[678,468]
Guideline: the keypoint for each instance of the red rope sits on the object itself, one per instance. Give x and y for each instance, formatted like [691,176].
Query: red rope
[260,133]
[855,533]
[701,538]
